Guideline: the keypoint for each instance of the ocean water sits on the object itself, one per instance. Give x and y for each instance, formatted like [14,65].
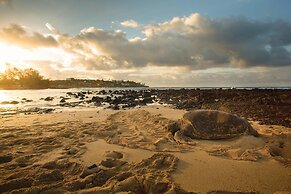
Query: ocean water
[32,99]
[35,97]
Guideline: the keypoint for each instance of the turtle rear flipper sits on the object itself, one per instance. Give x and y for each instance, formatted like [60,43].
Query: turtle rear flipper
[253,132]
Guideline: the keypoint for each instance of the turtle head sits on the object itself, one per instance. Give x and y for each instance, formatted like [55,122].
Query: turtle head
[173,127]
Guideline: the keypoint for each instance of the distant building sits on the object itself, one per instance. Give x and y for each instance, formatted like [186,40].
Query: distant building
[70,79]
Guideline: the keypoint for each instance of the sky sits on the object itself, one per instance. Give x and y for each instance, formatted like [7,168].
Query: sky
[183,43]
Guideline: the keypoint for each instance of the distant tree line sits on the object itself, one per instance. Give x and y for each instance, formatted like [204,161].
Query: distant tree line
[14,78]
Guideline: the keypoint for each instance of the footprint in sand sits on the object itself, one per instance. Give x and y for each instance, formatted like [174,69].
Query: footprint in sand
[5,159]
[114,155]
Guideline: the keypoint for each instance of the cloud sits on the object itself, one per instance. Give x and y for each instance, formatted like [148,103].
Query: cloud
[52,29]
[184,49]
[195,42]
[256,77]
[130,23]
[6,2]
[18,35]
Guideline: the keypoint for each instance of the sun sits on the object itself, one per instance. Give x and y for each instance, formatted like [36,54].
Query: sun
[9,54]
[2,68]
[21,57]
[2,58]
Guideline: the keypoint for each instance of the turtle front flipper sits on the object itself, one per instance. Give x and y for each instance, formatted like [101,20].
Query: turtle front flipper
[174,128]
[179,137]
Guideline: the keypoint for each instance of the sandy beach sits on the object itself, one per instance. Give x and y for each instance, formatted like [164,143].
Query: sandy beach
[130,151]
[145,97]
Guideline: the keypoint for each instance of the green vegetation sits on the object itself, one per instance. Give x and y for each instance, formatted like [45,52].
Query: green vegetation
[86,83]
[14,78]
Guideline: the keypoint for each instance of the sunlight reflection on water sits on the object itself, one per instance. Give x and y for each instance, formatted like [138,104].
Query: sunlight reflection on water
[4,96]
[36,98]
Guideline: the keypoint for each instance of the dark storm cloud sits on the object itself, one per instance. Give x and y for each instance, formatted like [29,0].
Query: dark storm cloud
[254,43]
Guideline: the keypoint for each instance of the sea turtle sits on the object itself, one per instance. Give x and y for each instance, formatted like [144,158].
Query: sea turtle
[209,125]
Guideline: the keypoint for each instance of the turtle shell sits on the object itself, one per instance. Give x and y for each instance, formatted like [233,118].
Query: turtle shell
[213,124]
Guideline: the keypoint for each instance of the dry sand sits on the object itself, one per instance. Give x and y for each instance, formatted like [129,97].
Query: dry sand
[131,151]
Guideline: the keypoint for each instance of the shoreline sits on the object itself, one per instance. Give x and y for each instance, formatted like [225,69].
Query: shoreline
[23,89]
[44,149]
[165,88]
[266,106]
